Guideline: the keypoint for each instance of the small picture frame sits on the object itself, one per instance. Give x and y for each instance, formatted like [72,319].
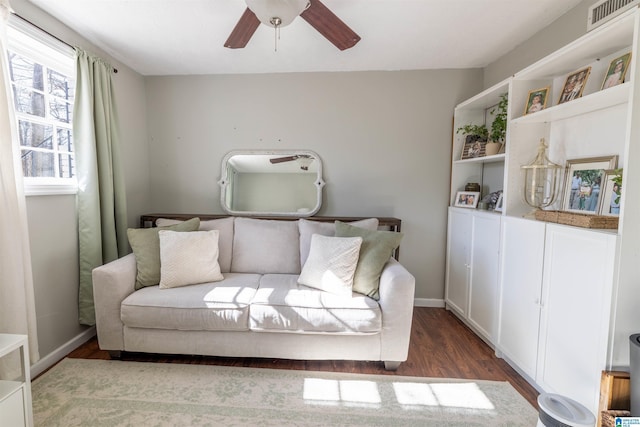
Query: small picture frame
[473,147]
[616,71]
[611,193]
[498,207]
[537,100]
[574,85]
[467,199]
[583,185]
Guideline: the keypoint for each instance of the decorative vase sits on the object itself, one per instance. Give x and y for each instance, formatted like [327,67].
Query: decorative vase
[492,148]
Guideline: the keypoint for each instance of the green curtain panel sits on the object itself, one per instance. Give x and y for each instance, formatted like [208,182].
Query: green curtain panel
[102,211]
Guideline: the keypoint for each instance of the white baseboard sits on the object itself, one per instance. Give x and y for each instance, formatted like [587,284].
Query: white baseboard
[60,353]
[428,302]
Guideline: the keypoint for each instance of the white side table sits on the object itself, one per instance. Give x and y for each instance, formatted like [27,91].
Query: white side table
[15,394]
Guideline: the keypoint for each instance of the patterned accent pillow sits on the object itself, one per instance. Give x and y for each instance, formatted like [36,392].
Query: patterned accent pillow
[309,227]
[225,240]
[188,258]
[331,264]
[146,247]
[377,248]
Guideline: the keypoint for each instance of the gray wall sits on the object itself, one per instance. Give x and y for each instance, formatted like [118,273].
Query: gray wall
[52,219]
[562,31]
[384,139]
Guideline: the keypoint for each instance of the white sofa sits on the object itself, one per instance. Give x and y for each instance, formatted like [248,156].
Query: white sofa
[258,309]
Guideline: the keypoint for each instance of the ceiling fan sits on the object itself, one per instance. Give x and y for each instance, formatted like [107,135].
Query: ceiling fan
[278,13]
[304,160]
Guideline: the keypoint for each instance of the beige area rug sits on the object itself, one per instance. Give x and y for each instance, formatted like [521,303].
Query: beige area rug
[79,392]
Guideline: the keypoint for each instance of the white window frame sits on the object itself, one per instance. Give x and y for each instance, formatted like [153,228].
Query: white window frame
[34,44]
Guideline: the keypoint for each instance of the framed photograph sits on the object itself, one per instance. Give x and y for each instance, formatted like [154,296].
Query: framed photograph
[611,193]
[467,199]
[574,85]
[536,100]
[583,184]
[616,71]
[498,207]
[473,147]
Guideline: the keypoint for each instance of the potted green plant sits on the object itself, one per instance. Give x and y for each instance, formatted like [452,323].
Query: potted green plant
[480,131]
[498,131]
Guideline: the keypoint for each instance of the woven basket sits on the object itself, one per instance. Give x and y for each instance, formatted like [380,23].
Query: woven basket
[578,219]
[548,216]
[608,418]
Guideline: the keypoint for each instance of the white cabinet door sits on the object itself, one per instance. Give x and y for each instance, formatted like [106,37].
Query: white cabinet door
[483,287]
[520,292]
[458,259]
[577,289]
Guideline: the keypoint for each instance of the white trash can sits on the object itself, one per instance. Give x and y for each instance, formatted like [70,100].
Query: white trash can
[560,411]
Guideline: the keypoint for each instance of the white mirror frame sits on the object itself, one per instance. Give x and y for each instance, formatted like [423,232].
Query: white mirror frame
[224,183]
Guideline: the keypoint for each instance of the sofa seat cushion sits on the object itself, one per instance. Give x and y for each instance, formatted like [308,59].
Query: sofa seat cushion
[219,306]
[282,305]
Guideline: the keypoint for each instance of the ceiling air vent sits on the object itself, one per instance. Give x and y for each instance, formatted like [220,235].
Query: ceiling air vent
[605,10]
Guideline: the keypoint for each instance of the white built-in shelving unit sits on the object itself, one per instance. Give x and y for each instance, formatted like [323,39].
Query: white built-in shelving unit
[566,298]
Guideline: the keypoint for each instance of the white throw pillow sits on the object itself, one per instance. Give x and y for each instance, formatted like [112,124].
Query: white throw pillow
[225,239]
[331,264]
[309,227]
[188,258]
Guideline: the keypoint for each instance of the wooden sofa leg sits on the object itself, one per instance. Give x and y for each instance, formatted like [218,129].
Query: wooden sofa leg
[391,365]
[115,354]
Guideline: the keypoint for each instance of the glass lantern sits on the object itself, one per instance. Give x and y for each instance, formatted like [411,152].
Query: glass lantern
[541,179]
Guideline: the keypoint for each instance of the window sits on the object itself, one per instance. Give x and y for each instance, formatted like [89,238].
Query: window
[43,86]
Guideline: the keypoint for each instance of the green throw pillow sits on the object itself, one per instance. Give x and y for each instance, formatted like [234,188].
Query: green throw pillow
[377,247]
[146,247]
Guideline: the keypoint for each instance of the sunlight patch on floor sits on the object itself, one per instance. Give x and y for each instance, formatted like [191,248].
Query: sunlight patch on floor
[452,395]
[461,395]
[334,392]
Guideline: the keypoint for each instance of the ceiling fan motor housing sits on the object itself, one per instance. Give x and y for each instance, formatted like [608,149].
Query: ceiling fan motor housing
[269,12]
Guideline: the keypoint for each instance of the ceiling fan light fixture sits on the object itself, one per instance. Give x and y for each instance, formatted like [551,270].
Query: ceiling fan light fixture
[269,12]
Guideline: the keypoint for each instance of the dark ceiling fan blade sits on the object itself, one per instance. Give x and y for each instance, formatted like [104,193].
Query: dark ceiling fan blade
[330,26]
[244,29]
[283,159]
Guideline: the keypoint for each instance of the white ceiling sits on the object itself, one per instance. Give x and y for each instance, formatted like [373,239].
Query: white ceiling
[166,37]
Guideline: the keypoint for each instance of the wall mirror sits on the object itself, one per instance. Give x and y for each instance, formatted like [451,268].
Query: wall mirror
[271,183]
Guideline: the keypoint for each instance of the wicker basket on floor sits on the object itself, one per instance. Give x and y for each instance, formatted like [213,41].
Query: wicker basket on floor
[578,219]
[608,418]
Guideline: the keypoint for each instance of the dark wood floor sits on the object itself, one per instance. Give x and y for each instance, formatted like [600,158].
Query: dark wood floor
[441,347]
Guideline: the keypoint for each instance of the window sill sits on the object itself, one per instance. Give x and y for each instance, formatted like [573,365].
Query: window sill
[49,189]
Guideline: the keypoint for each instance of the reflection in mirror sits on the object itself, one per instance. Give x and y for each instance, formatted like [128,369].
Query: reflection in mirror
[271,183]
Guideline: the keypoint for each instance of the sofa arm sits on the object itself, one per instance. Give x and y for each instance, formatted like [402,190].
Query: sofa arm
[112,283]
[397,289]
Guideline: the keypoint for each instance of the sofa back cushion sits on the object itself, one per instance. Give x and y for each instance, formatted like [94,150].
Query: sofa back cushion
[265,246]
[225,240]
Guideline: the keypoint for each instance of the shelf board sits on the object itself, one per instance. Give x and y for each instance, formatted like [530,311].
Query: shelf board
[487,98]
[610,37]
[600,100]
[7,388]
[11,342]
[485,159]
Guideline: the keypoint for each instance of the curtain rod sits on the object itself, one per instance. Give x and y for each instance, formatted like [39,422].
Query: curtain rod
[115,70]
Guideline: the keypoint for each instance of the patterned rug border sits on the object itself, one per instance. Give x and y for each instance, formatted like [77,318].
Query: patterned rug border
[88,397]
